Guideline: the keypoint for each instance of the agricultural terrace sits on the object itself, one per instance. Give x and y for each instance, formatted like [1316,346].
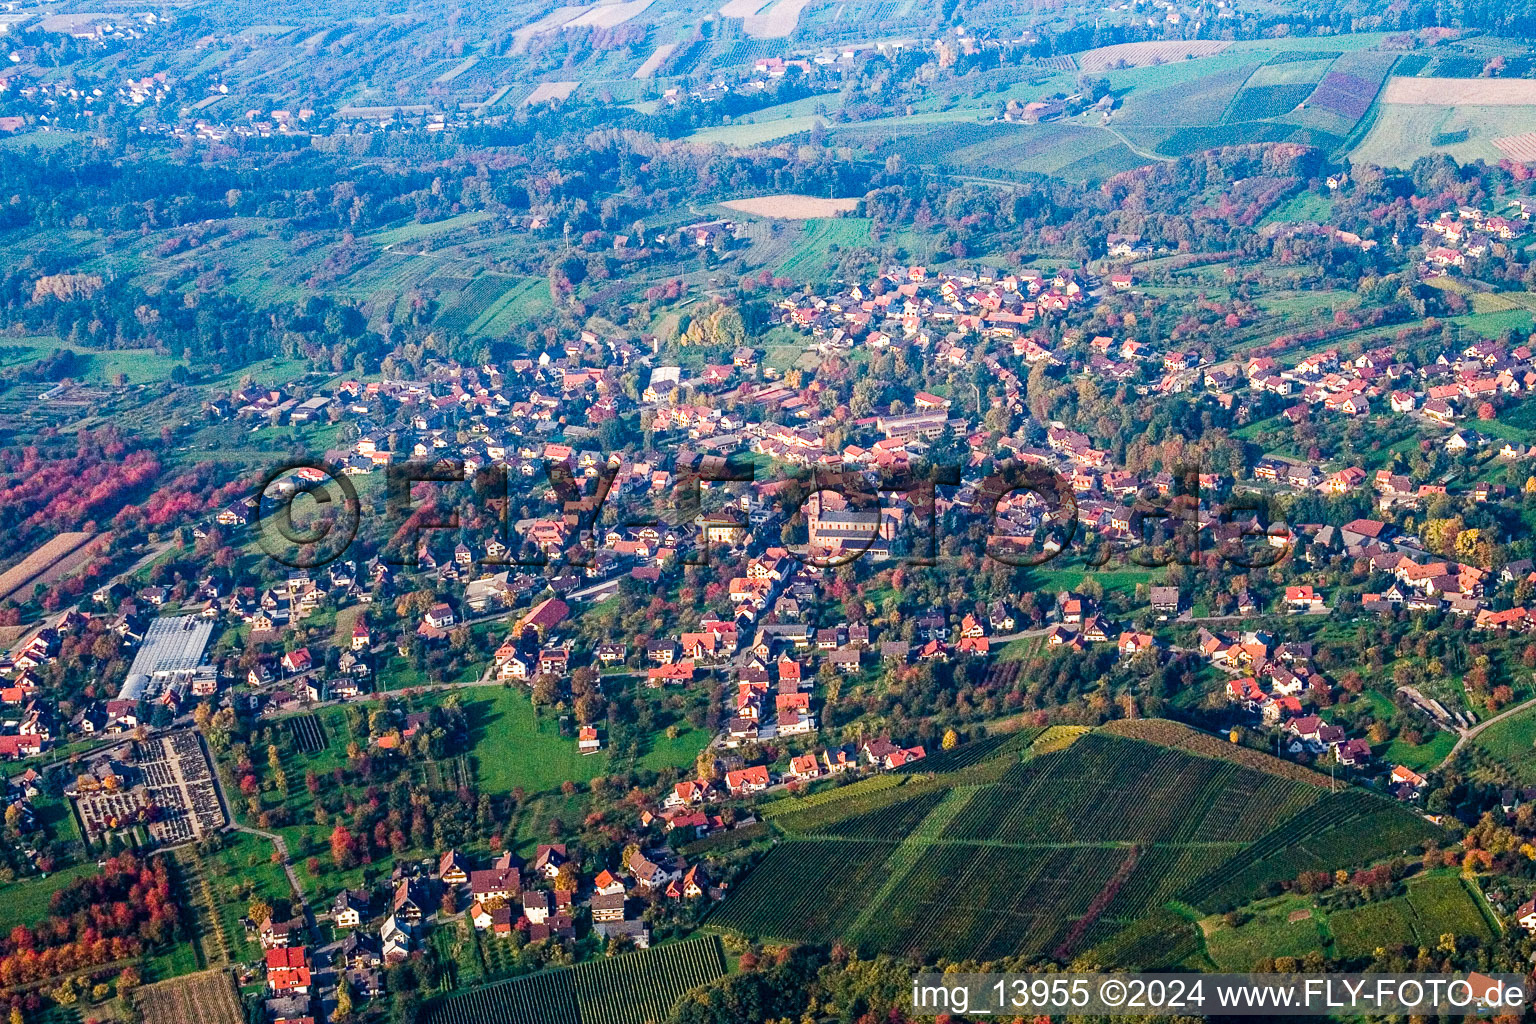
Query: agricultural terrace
[1414,914]
[206,998]
[47,563]
[630,989]
[1505,752]
[777,22]
[1140,55]
[547,92]
[1049,843]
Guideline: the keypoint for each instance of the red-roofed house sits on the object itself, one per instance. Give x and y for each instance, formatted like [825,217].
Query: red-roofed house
[804,767]
[543,617]
[587,740]
[1247,688]
[1303,599]
[747,780]
[288,970]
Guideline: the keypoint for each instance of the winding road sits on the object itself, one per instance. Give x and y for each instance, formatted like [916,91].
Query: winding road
[1467,734]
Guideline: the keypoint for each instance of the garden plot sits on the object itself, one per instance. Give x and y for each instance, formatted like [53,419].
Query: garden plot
[548,92]
[654,62]
[792,207]
[1140,55]
[777,21]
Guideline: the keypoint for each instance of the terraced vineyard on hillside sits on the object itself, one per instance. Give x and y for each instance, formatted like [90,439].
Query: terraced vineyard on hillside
[1050,848]
[631,989]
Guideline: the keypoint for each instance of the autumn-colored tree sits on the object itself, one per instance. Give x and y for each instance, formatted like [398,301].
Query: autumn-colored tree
[343,847]
[343,998]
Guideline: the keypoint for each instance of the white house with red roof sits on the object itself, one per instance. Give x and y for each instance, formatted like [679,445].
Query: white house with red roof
[747,780]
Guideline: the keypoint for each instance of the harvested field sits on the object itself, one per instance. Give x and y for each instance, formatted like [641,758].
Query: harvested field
[40,561]
[547,92]
[792,207]
[70,22]
[1461,92]
[655,60]
[73,562]
[1520,147]
[551,21]
[608,15]
[1141,55]
[208,998]
[777,21]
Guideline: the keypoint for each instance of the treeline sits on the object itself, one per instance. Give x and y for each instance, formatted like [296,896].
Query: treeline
[119,913]
[39,490]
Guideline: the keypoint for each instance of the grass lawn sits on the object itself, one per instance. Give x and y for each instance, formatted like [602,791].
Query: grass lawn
[1360,931]
[1521,415]
[1306,208]
[756,134]
[511,747]
[1505,429]
[811,254]
[1270,933]
[662,752]
[177,959]
[1251,431]
[1403,132]
[399,674]
[1307,301]
[1449,903]
[1020,649]
[1431,907]
[1512,743]
[346,619]
[1491,325]
[26,902]
[1114,580]
[241,870]
[413,232]
[96,366]
[56,816]
[1425,755]
[794,108]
